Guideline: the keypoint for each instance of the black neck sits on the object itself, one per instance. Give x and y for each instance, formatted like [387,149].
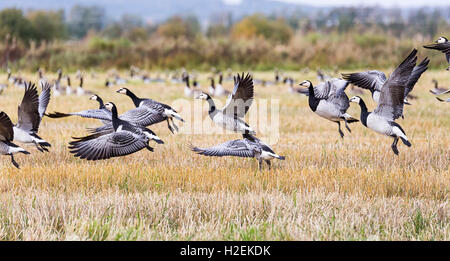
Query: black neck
[364,112]
[100,101]
[81,81]
[186,79]
[220,79]
[135,99]
[115,118]
[212,105]
[312,100]
[68,81]
[212,83]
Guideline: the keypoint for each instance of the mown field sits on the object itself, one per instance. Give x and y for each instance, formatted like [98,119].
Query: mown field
[328,188]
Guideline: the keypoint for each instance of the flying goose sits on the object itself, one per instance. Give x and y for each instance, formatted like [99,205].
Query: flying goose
[239,101]
[6,138]
[443,45]
[248,147]
[390,106]
[329,101]
[438,90]
[156,111]
[124,140]
[375,80]
[30,113]
[101,113]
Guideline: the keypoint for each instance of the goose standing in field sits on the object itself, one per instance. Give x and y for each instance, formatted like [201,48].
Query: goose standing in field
[218,89]
[238,103]
[6,138]
[188,90]
[30,113]
[375,80]
[57,84]
[438,90]
[155,111]
[443,45]
[102,114]
[248,147]
[124,140]
[69,90]
[329,101]
[80,90]
[390,106]
[42,79]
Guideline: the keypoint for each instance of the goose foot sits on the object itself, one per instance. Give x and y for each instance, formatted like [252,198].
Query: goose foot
[346,125]
[268,163]
[394,146]
[174,125]
[340,131]
[260,164]
[38,147]
[14,162]
[170,127]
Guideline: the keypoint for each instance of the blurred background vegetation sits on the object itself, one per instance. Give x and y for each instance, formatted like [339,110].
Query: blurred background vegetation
[341,37]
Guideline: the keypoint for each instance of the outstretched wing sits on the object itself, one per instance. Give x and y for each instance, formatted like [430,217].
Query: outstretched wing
[107,146]
[370,80]
[44,98]
[240,100]
[230,148]
[99,114]
[28,111]
[392,94]
[6,127]
[415,75]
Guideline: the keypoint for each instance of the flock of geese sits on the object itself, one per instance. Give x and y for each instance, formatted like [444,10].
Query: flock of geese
[124,134]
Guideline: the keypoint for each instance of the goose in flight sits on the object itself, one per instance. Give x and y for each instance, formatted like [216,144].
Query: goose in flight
[375,80]
[6,138]
[124,140]
[329,101]
[155,111]
[442,44]
[239,101]
[248,147]
[102,114]
[30,113]
[390,106]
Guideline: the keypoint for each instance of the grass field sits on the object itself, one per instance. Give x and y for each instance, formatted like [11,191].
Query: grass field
[328,188]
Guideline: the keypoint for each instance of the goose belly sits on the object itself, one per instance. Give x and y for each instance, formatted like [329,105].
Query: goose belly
[236,125]
[328,111]
[379,124]
[22,136]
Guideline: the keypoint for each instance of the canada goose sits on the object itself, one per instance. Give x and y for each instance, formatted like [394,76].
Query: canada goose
[443,45]
[102,114]
[438,90]
[69,90]
[6,138]
[80,90]
[375,80]
[238,103]
[155,110]
[390,106]
[30,113]
[124,140]
[329,101]
[248,147]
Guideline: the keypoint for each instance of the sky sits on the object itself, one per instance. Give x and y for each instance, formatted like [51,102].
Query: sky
[385,3]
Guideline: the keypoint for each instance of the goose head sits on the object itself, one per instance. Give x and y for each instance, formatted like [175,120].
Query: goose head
[94,98]
[355,99]
[441,39]
[123,91]
[306,83]
[109,106]
[203,96]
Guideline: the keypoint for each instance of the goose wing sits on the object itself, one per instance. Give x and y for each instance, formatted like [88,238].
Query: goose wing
[370,80]
[240,100]
[392,94]
[236,148]
[337,94]
[115,144]
[415,75]
[144,116]
[6,127]
[44,98]
[99,114]
[28,111]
